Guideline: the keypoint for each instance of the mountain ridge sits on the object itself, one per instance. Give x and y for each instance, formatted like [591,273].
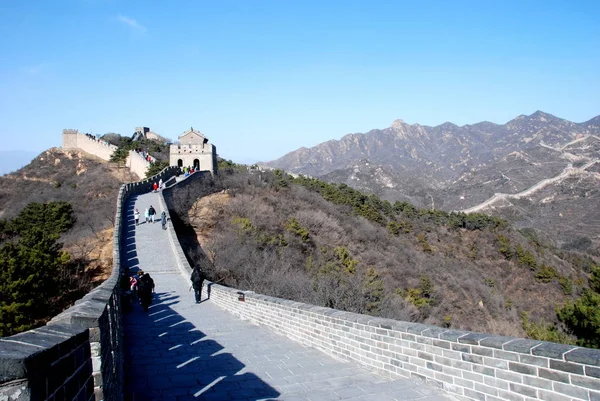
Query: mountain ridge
[453,167]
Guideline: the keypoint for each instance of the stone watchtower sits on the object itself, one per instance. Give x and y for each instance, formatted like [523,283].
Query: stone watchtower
[69,139]
[194,150]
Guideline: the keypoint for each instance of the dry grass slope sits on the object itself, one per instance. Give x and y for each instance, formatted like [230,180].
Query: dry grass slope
[91,186]
[284,241]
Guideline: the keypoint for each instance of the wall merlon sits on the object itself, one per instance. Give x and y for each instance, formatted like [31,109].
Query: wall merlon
[453,335]
[553,350]
[585,356]
[521,345]
[496,341]
[434,332]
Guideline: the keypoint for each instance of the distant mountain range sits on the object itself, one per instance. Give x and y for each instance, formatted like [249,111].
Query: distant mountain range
[463,168]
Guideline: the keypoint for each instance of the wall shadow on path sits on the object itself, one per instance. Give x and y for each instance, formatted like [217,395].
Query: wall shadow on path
[179,199]
[188,239]
[168,358]
[128,251]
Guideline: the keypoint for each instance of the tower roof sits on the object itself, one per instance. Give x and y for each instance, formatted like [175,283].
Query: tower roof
[192,131]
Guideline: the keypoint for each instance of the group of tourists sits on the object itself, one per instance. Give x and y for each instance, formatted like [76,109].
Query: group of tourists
[157,186]
[139,286]
[150,216]
[187,171]
[145,155]
[96,139]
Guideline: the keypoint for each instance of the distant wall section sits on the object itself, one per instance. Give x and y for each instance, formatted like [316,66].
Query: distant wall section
[137,164]
[72,139]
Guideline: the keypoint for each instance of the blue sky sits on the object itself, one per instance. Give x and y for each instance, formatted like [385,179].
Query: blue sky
[262,78]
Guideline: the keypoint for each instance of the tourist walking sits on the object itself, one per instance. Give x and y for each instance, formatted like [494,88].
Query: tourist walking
[145,290]
[160,184]
[136,216]
[197,279]
[147,215]
[151,212]
[155,187]
[163,220]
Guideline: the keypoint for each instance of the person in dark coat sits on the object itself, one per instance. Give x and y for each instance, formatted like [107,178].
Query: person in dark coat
[152,213]
[163,220]
[145,289]
[197,279]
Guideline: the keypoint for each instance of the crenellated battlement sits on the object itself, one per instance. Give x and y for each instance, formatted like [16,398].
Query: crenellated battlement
[75,140]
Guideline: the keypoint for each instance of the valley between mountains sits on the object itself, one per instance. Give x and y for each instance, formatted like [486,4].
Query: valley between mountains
[538,171]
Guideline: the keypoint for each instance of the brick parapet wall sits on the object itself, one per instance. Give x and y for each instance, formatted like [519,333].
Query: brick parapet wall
[137,164]
[51,362]
[472,366]
[79,353]
[74,140]
[166,203]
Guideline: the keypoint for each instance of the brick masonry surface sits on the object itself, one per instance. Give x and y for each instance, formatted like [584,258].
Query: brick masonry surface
[475,366]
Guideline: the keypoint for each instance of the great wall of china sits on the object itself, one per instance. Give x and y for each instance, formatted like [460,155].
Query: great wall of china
[74,140]
[79,353]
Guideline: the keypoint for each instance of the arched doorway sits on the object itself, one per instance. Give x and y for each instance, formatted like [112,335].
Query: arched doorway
[179,163]
[196,164]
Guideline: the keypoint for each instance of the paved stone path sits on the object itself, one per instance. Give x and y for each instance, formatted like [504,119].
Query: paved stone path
[180,350]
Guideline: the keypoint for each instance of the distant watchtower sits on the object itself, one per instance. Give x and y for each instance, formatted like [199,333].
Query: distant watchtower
[194,150]
[69,139]
[140,133]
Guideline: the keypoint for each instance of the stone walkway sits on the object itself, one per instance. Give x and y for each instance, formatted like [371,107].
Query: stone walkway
[180,350]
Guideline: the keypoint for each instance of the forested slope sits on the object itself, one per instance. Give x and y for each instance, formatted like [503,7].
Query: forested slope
[56,225]
[330,245]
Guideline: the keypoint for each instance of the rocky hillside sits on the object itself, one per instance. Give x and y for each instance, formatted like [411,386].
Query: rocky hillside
[458,168]
[89,184]
[330,245]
